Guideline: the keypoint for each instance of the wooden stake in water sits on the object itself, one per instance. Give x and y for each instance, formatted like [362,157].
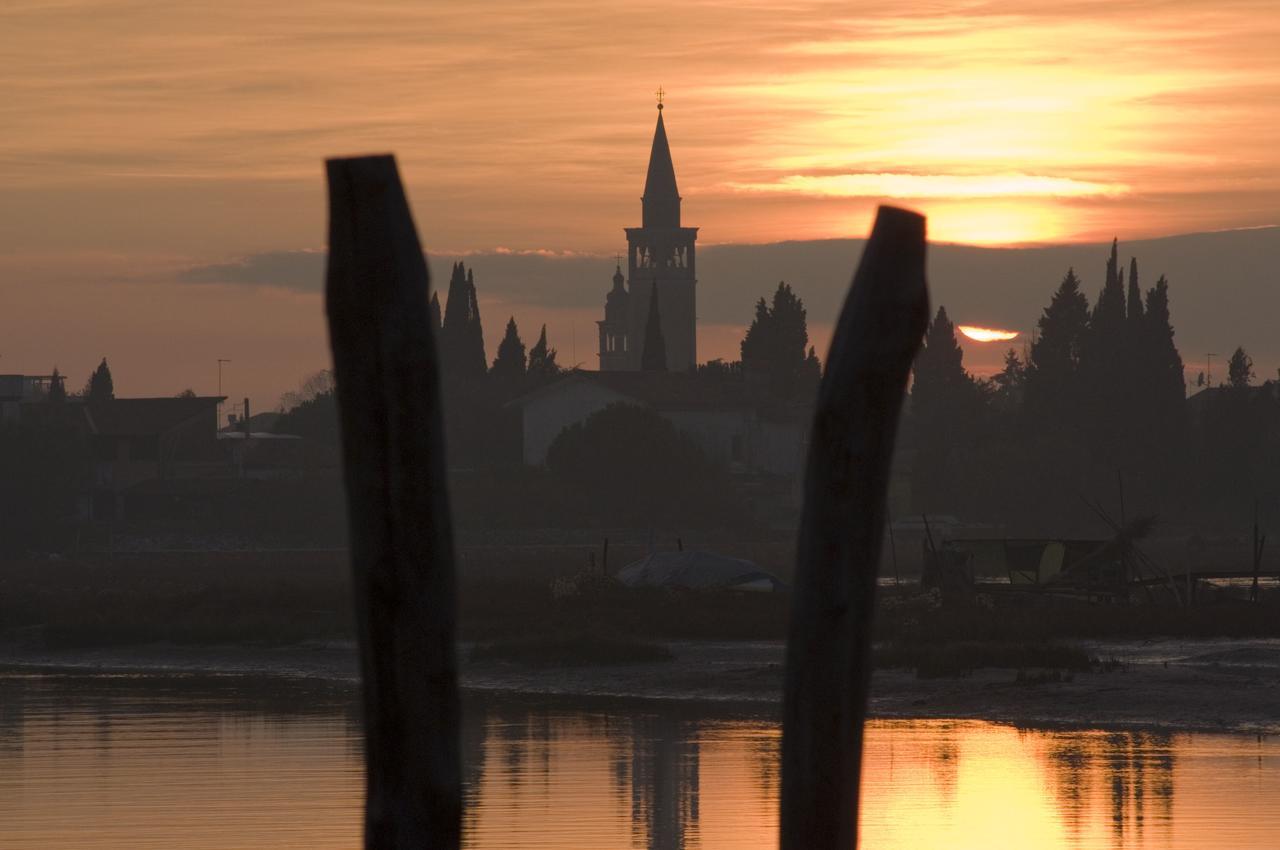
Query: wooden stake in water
[841,529]
[402,556]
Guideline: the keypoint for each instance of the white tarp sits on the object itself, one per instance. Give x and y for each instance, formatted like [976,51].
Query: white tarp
[697,570]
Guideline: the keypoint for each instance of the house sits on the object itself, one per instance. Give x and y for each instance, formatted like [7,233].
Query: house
[16,390]
[136,440]
[728,423]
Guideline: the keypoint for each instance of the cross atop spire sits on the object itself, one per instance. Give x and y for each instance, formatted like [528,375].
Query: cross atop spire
[661,94]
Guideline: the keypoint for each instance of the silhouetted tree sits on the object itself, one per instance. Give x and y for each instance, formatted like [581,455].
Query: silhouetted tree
[475,336]
[1053,375]
[720,370]
[1134,310]
[461,338]
[1160,386]
[1239,441]
[1106,366]
[435,316]
[945,410]
[315,419]
[57,387]
[187,393]
[776,345]
[100,386]
[542,360]
[1239,370]
[1009,382]
[810,372]
[510,365]
[316,384]
[653,357]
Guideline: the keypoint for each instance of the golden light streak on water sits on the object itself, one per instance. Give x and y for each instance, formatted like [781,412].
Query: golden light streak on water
[229,763]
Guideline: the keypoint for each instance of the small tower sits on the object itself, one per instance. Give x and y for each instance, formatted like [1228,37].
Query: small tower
[614,348]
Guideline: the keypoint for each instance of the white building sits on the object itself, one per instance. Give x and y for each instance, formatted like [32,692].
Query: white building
[732,429]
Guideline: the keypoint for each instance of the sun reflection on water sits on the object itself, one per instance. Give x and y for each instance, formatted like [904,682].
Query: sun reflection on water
[141,764]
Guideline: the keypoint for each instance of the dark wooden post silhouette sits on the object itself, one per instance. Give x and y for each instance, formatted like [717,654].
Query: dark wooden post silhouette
[841,530]
[402,557]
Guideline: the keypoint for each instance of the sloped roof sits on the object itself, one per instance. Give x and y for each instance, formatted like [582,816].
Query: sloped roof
[135,417]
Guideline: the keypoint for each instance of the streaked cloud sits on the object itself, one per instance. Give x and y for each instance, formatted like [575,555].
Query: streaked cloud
[888,185]
[184,142]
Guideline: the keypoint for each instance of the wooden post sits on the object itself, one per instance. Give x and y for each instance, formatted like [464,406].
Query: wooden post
[841,530]
[402,558]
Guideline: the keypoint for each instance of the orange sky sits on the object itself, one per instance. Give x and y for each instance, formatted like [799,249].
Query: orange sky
[142,138]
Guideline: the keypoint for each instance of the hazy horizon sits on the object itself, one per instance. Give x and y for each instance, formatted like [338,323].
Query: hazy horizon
[264,311]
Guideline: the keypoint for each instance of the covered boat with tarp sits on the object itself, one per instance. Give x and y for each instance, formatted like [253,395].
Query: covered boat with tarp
[694,570]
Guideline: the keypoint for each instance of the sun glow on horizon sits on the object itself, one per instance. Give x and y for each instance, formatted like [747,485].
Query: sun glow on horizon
[978,334]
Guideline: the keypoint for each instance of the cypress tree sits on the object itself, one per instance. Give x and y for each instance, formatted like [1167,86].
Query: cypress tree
[757,345]
[653,357]
[57,388]
[1239,370]
[1009,381]
[461,338]
[509,365]
[453,325]
[1107,368]
[474,353]
[100,386]
[435,316]
[1106,323]
[1162,369]
[1053,377]
[945,409]
[1134,315]
[776,344]
[542,360]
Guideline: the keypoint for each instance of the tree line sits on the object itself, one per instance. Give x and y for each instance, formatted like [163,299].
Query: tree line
[1097,403]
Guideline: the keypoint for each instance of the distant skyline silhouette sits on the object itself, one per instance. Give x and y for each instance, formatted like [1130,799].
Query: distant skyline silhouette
[146,148]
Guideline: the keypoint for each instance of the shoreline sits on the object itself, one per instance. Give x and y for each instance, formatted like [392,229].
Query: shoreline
[1169,685]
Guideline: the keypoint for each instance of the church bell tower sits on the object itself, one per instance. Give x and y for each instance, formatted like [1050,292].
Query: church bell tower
[660,253]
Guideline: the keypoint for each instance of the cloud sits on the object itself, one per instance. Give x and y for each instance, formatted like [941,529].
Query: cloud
[301,271]
[891,185]
[992,287]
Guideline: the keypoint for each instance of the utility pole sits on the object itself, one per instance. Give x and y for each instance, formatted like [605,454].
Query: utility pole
[1208,368]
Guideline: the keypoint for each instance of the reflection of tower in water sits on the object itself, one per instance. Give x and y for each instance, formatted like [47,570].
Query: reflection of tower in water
[1131,769]
[664,783]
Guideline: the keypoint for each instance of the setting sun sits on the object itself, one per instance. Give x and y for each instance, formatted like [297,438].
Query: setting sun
[987,334]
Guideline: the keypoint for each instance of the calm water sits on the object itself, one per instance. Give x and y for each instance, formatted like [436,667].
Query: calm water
[124,762]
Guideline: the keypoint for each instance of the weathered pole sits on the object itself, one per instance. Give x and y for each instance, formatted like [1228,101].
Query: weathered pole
[841,529]
[402,558]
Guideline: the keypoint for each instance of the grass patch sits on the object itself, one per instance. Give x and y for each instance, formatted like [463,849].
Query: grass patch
[932,661]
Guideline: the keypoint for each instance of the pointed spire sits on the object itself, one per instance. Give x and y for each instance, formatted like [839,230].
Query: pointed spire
[661,201]
[653,358]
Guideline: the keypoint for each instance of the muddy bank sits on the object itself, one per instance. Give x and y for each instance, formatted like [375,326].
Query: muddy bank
[1176,685]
